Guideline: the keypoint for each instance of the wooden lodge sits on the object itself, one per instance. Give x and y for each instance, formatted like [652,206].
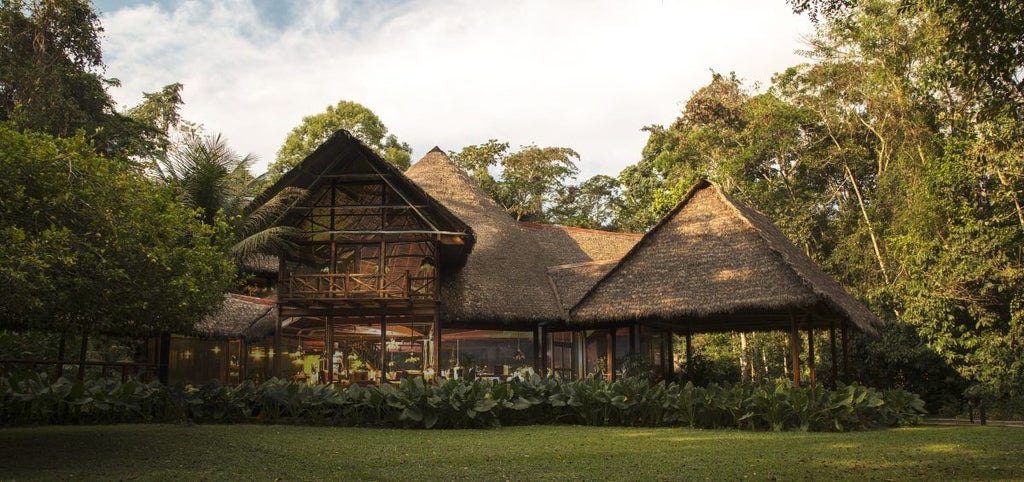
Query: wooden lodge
[422,274]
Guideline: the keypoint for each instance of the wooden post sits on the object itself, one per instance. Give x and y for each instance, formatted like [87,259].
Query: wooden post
[538,350]
[810,356]
[82,353]
[436,347]
[835,355]
[329,348]
[846,354]
[689,354]
[668,360]
[609,363]
[275,360]
[794,350]
[383,349]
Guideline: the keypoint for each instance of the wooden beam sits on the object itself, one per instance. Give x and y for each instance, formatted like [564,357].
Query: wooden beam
[794,351]
[835,355]
[329,347]
[610,355]
[846,354]
[689,354]
[810,356]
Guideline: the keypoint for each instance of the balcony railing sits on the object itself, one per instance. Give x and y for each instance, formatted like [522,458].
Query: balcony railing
[362,286]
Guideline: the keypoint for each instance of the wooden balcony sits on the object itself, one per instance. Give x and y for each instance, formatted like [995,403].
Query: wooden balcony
[357,286]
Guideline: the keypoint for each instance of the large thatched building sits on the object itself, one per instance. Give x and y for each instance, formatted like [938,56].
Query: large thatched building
[422,274]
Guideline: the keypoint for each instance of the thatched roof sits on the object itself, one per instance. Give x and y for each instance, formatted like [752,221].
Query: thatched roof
[240,317]
[504,278]
[572,281]
[568,245]
[261,263]
[342,153]
[712,260]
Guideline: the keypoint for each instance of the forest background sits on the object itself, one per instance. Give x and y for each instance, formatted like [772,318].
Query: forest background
[894,157]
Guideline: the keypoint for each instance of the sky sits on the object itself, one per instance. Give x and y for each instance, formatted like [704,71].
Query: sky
[588,75]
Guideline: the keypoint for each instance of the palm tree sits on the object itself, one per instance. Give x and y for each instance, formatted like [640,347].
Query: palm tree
[214,179]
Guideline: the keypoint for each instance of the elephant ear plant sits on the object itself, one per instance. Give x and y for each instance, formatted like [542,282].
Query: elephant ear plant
[30,398]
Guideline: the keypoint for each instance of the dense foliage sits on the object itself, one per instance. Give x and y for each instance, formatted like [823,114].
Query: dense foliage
[88,245]
[353,117]
[895,161]
[29,398]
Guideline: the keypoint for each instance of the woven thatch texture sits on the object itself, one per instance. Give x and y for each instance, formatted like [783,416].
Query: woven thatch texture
[504,276]
[711,256]
[572,281]
[566,245]
[239,317]
[261,263]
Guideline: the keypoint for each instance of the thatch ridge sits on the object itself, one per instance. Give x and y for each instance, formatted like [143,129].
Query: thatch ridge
[504,276]
[698,263]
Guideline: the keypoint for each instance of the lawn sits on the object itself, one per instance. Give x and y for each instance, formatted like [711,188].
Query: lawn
[279,452]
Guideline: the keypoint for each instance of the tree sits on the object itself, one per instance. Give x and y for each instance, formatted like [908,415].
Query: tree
[530,177]
[592,204]
[51,80]
[213,179]
[360,121]
[88,247]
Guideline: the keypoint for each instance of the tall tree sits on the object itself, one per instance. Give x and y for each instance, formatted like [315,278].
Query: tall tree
[360,121]
[530,177]
[51,79]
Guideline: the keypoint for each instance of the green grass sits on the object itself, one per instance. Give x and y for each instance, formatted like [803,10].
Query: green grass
[271,452]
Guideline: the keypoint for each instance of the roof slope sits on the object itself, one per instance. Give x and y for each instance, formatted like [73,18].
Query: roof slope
[569,245]
[572,281]
[239,317]
[712,256]
[504,278]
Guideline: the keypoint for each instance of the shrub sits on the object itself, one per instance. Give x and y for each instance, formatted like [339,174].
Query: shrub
[38,399]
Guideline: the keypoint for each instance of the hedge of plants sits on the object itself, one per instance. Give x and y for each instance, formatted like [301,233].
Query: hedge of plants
[30,399]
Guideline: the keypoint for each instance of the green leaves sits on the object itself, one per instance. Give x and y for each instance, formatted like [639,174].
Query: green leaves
[29,398]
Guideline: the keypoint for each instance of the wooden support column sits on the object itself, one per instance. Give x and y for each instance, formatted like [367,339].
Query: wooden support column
[668,361]
[689,354]
[82,353]
[436,346]
[579,354]
[329,348]
[383,350]
[846,354]
[810,356]
[794,350]
[538,350]
[610,355]
[835,355]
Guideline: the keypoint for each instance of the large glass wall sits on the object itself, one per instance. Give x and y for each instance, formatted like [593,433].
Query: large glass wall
[486,353]
[359,351]
[561,354]
[200,361]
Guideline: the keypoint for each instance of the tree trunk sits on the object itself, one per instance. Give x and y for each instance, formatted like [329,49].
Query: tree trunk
[867,222]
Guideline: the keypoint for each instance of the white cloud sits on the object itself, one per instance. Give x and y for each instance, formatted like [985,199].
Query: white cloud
[582,74]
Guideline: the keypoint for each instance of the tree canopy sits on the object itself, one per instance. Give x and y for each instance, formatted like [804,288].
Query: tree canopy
[530,177]
[88,246]
[360,121]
